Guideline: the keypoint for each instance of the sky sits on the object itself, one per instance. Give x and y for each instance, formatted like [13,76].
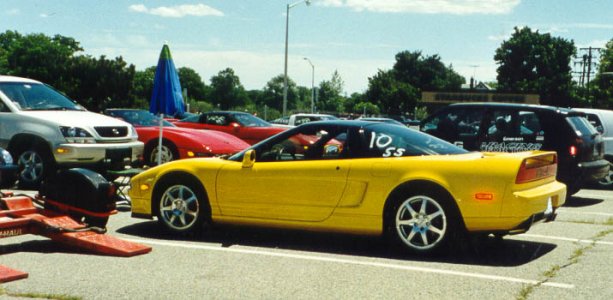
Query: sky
[357,38]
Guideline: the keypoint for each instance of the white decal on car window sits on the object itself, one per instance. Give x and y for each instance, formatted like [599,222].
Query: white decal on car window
[381,141]
[509,147]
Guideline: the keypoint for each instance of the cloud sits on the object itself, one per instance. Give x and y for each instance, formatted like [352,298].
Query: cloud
[13,12]
[179,11]
[455,7]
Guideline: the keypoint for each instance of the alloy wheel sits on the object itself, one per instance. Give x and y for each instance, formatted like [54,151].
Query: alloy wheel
[421,223]
[31,166]
[179,208]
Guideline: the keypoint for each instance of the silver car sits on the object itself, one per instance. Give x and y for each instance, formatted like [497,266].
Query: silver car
[602,120]
[44,130]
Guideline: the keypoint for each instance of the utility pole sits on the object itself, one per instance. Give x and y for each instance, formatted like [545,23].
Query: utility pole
[587,64]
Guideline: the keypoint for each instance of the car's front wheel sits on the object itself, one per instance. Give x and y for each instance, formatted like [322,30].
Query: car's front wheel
[168,153]
[422,222]
[181,205]
[34,164]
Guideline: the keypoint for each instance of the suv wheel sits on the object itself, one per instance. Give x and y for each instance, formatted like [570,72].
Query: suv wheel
[607,181]
[34,164]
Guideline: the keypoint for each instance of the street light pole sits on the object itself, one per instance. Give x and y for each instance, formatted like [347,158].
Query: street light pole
[312,84]
[308,2]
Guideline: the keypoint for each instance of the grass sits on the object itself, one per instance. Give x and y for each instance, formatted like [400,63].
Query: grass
[4,292]
[608,222]
[553,271]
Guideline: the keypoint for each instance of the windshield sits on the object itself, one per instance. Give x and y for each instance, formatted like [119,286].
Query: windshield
[36,96]
[138,118]
[248,120]
[582,126]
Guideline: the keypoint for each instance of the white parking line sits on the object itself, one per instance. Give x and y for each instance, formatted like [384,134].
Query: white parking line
[561,238]
[568,211]
[357,262]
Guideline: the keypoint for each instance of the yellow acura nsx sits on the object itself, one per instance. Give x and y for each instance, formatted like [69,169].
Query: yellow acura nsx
[356,177]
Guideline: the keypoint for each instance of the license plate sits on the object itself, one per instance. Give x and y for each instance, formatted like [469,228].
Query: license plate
[549,209]
[118,155]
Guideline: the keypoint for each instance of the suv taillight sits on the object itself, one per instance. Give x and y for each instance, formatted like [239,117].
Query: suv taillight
[573,150]
[537,167]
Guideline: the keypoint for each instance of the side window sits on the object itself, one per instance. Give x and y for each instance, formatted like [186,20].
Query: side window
[455,125]
[219,120]
[376,143]
[595,121]
[513,131]
[3,107]
[306,145]
[499,125]
[530,127]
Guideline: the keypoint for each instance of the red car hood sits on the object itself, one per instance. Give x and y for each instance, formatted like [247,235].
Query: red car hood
[219,142]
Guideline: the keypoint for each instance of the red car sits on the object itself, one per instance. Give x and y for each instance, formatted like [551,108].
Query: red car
[177,143]
[247,127]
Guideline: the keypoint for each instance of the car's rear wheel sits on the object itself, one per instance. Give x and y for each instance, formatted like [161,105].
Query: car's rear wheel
[424,222]
[607,181]
[181,205]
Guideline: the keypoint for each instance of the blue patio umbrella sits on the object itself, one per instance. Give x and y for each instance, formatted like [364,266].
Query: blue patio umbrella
[166,98]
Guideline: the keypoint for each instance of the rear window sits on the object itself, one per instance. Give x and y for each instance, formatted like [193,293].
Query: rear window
[386,140]
[582,126]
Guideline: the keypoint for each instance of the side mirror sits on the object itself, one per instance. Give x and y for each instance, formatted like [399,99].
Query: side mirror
[249,159]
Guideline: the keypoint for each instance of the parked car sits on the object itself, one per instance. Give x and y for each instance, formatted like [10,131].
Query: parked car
[602,120]
[358,177]
[8,170]
[247,127]
[385,120]
[44,130]
[177,143]
[504,127]
[301,118]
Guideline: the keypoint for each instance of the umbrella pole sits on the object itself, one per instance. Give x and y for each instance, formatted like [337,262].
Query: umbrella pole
[160,140]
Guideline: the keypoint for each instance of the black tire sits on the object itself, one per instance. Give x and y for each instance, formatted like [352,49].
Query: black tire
[607,181]
[181,205]
[35,164]
[8,181]
[99,222]
[572,189]
[169,152]
[423,222]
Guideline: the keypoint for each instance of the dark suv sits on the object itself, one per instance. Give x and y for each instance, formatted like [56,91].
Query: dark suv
[502,127]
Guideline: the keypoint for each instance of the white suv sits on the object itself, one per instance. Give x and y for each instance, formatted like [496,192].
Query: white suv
[44,130]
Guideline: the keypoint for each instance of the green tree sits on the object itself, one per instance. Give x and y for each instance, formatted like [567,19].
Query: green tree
[393,97]
[425,72]
[192,82]
[227,91]
[143,84]
[603,82]
[102,82]
[40,57]
[533,62]
[398,90]
[329,98]
[272,95]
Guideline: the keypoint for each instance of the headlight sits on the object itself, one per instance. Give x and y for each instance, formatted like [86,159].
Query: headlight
[77,135]
[7,159]
[133,132]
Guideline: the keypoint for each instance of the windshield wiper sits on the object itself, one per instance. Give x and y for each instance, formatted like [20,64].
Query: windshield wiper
[51,108]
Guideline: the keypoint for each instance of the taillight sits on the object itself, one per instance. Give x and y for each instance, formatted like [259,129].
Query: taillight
[538,167]
[572,150]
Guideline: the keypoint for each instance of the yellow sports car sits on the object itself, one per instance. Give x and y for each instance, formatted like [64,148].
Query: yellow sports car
[356,177]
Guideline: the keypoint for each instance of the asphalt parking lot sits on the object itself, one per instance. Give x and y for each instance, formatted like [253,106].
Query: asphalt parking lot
[569,258]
